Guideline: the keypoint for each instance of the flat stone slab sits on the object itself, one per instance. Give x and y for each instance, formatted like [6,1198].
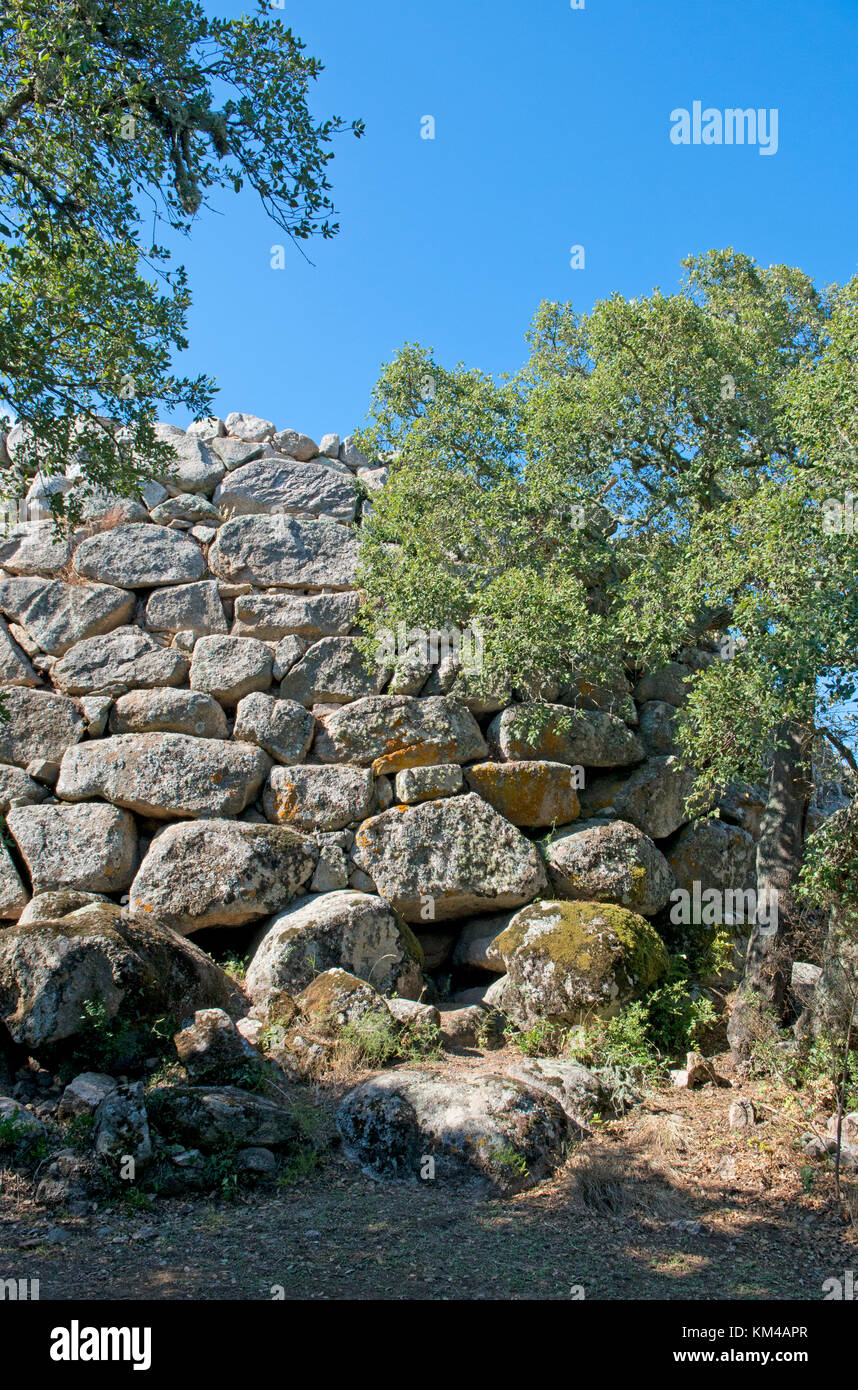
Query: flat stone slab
[139,557]
[165,775]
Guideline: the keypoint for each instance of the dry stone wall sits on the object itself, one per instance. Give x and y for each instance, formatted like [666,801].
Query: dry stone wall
[198,763]
[194,734]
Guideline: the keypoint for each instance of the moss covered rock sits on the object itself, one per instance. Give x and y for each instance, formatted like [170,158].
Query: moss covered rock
[568,961]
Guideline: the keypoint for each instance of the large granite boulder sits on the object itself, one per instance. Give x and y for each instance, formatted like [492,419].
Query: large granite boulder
[90,847]
[13,895]
[139,557]
[654,797]
[41,726]
[528,793]
[555,733]
[219,873]
[282,727]
[280,552]
[216,1118]
[399,731]
[485,1133]
[609,862]
[50,972]
[273,616]
[165,775]
[35,547]
[318,798]
[357,932]
[287,486]
[56,615]
[168,711]
[332,671]
[715,855]
[570,961]
[15,666]
[125,659]
[449,858]
[186,608]
[230,667]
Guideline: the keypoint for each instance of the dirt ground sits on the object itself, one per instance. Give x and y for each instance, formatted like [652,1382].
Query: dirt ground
[667,1203]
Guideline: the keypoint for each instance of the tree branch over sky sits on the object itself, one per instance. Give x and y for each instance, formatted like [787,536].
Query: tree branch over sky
[113,120]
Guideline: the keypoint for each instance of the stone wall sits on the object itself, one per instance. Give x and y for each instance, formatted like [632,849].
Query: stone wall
[183,684]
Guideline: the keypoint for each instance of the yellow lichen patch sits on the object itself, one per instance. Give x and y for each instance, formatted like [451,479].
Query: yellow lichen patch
[413,755]
[527,793]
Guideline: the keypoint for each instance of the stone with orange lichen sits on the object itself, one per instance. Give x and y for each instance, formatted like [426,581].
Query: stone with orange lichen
[610,861]
[528,793]
[318,798]
[392,732]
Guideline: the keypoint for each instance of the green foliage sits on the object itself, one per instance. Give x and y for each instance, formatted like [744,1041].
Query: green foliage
[236,966]
[508,1164]
[659,470]
[829,875]
[377,1040]
[543,1039]
[677,1012]
[103,1043]
[78,1132]
[115,120]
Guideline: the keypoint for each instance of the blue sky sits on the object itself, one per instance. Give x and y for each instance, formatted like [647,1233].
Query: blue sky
[552,129]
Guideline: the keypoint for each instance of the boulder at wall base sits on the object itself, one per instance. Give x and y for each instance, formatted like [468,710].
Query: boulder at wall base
[567,961]
[399,731]
[486,1133]
[356,931]
[449,858]
[337,998]
[579,1091]
[609,862]
[49,972]
[211,1117]
[165,775]
[587,738]
[528,793]
[211,1048]
[219,873]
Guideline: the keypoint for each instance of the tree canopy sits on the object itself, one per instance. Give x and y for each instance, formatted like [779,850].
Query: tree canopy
[115,120]
[661,468]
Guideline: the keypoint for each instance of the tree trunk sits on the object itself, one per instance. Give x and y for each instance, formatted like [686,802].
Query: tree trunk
[779,857]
